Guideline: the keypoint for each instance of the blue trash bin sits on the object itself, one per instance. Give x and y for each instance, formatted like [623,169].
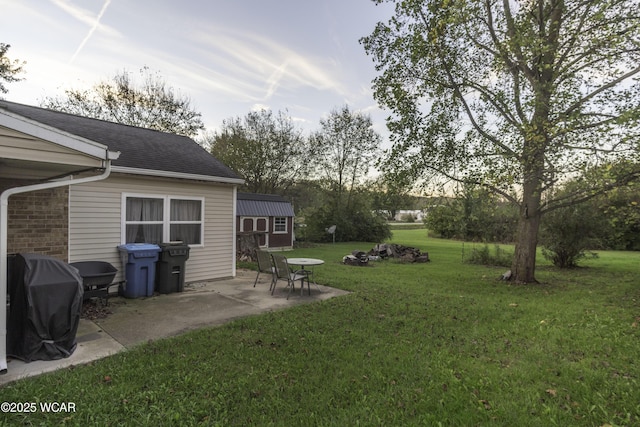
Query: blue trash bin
[139,260]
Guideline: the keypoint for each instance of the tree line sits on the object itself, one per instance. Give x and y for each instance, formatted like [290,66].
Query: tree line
[324,173]
[609,220]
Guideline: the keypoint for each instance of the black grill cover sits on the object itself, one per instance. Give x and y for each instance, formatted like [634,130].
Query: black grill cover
[46,302]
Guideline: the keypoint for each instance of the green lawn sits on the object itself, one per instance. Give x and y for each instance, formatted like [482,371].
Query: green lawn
[443,343]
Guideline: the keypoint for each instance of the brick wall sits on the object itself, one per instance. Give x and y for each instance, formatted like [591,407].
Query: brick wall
[39,223]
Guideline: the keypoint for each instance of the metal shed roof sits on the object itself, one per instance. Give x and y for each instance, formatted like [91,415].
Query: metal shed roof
[250,204]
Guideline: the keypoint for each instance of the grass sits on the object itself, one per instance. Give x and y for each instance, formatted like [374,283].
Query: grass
[442,343]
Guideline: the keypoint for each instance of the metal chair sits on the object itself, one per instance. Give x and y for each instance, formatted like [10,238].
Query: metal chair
[265,265]
[284,272]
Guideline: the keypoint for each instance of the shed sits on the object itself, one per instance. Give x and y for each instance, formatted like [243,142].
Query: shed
[270,216]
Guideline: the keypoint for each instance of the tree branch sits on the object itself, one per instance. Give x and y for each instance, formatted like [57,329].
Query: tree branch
[599,90]
[587,194]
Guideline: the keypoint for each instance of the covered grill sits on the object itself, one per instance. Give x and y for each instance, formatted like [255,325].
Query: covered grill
[45,306]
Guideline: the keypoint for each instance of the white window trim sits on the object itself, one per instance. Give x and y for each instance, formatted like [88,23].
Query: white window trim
[286,225]
[254,222]
[166,213]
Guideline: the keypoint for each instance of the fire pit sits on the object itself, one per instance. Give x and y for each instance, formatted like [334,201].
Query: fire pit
[386,250]
[403,253]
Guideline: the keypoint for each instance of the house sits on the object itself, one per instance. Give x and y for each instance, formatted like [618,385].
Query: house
[268,216]
[161,187]
[75,188]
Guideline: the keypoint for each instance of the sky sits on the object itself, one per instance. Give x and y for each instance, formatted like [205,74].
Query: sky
[229,57]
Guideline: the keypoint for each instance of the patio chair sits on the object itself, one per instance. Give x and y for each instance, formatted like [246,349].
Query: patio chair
[265,265]
[283,272]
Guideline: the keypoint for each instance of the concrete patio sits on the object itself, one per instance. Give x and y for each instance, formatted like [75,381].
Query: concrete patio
[135,321]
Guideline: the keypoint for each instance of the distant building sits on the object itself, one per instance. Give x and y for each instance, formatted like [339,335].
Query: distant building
[401,215]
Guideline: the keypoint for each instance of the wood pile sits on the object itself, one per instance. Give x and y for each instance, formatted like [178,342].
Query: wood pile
[357,258]
[403,253]
[383,251]
[247,244]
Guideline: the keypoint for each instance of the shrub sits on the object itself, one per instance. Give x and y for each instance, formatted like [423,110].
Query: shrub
[474,215]
[568,234]
[408,218]
[356,222]
[621,207]
[483,256]
[445,220]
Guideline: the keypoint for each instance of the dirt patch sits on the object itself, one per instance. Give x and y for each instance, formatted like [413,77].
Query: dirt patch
[95,309]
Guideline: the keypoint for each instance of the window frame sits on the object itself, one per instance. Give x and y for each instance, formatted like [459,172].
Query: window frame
[286,225]
[166,216]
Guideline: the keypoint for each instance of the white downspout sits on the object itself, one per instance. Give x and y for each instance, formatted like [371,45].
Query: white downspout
[4,205]
[235,231]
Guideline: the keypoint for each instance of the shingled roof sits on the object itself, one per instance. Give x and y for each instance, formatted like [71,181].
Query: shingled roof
[140,148]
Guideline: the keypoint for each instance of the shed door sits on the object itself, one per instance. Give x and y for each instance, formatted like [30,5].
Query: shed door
[262,225]
[257,224]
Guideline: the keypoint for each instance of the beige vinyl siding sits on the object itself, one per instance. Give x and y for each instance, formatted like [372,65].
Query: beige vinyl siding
[18,146]
[95,220]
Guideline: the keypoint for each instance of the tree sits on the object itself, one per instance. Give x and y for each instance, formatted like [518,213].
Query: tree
[348,145]
[621,207]
[356,222]
[474,214]
[391,195]
[609,221]
[8,68]
[512,95]
[267,150]
[152,104]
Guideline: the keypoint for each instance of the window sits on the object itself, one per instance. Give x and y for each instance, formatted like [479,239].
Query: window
[144,220]
[280,224]
[186,221]
[149,219]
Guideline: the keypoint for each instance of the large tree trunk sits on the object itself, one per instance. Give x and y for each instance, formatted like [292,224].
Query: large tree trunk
[524,261]
[536,133]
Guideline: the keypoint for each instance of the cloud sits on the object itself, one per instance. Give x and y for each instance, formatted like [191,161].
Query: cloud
[269,66]
[260,107]
[92,30]
[84,17]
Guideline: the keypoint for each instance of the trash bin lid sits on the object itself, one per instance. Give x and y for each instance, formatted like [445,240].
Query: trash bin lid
[178,252]
[139,247]
[178,244]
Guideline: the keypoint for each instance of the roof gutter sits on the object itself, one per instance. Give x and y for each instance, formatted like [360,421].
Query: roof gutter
[179,175]
[4,204]
[49,133]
